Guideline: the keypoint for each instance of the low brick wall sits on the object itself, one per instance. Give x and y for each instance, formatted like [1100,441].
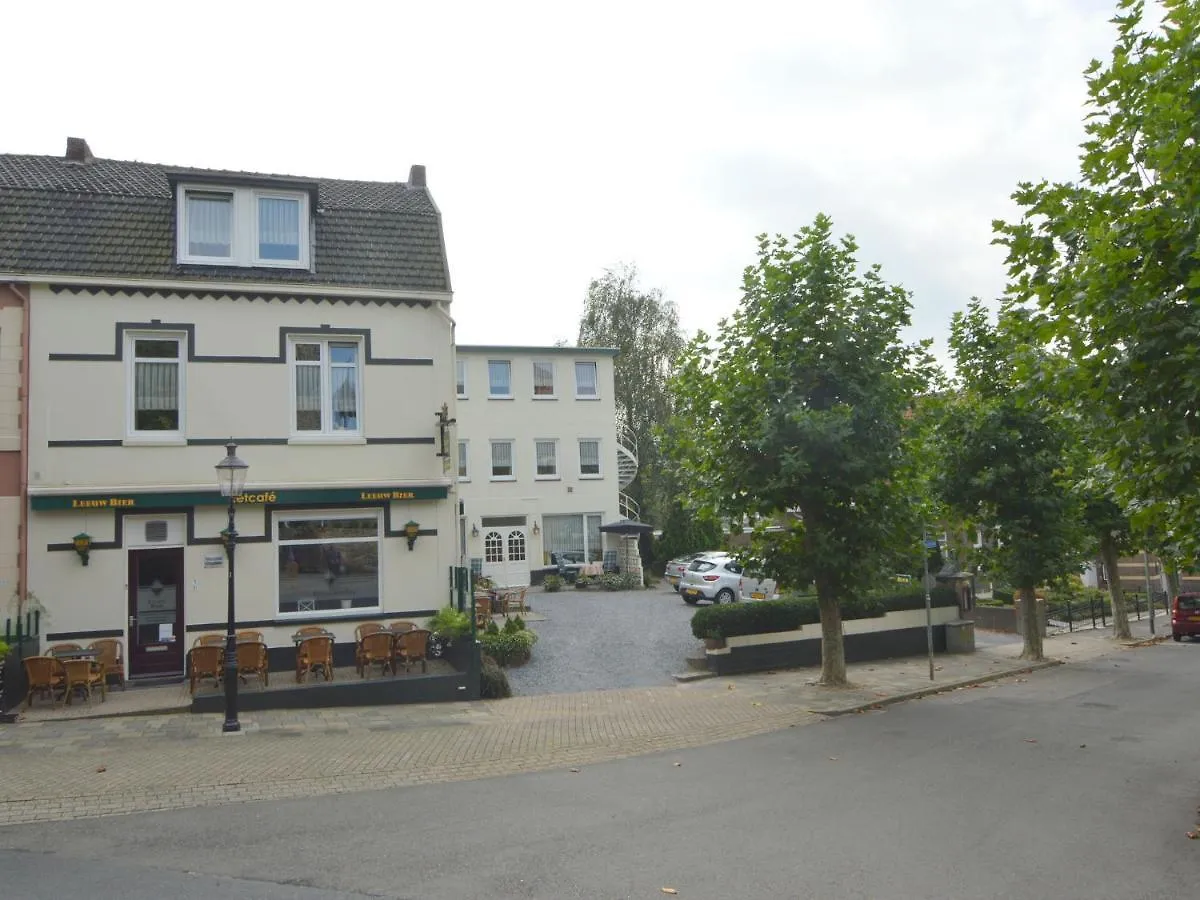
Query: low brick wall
[994,618]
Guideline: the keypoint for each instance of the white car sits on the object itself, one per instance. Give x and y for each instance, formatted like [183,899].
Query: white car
[713,578]
[676,567]
[751,588]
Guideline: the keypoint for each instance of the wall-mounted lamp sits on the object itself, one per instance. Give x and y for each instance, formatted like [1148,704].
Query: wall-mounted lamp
[83,543]
[536,530]
[411,531]
[474,530]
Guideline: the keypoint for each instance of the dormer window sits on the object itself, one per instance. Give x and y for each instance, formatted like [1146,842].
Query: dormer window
[243,227]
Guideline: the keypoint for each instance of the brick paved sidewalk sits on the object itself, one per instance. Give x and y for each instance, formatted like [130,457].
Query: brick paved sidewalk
[53,770]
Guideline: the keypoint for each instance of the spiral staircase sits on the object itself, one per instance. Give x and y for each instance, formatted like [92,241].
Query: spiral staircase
[627,469]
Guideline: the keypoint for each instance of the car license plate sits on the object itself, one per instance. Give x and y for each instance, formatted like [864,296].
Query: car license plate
[1196,618]
[674,579]
[757,595]
[691,592]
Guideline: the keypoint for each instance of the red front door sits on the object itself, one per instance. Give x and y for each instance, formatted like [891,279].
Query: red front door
[156,612]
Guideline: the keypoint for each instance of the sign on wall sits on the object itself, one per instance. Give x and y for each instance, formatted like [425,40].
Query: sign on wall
[182,499]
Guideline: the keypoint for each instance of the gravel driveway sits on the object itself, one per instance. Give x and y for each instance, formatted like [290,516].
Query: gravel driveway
[595,640]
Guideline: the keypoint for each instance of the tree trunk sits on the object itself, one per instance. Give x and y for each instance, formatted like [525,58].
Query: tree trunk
[1032,626]
[1110,557]
[1173,582]
[833,651]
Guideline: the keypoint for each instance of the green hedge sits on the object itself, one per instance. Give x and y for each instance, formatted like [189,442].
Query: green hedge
[792,613]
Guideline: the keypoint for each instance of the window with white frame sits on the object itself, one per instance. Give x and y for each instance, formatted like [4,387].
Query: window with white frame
[464,474]
[460,378]
[243,226]
[589,458]
[328,561]
[499,378]
[587,385]
[546,453]
[502,461]
[156,384]
[571,539]
[543,380]
[327,387]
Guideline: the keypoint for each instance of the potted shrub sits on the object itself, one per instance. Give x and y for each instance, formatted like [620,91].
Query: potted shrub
[552,584]
[447,626]
[582,582]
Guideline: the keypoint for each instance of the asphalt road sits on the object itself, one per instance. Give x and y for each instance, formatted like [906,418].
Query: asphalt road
[1079,782]
[598,640]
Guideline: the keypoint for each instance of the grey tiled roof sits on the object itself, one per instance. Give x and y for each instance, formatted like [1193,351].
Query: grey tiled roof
[113,218]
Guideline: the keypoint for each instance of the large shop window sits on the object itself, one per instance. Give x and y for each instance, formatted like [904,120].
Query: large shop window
[328,562]
[327,379]
[572,539]
[156,385]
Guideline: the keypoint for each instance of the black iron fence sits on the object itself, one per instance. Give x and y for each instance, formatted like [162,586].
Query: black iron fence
[1096,611]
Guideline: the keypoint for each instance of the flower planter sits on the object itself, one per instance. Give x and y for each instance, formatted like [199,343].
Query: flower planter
[714,643]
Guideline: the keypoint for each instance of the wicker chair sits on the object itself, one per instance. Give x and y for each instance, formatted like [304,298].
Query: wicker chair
[514,602]
[209,640]
[83,675]
[310,630]
[483,612]
[375,649]
[314,654]
[250,637]
[111,654]
[54,648]
[45,676]
[359,633]
[412,647]
[252,660]
[204,661]
[401,626]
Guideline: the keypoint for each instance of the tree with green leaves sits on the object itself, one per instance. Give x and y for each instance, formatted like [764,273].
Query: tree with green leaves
[1112,265]
[644,327]
[1003,453]
[793,416]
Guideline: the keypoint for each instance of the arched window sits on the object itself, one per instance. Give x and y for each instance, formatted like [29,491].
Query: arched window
[516,546]
[493,547]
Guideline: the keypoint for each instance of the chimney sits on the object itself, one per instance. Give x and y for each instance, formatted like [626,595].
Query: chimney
[416,176]
[78,150]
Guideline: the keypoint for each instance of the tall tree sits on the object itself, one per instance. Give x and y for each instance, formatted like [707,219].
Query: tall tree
[1113,262]
[793,414]
[1004,452]
[644,327]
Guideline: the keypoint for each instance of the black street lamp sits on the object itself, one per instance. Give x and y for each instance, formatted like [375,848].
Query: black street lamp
[231,476]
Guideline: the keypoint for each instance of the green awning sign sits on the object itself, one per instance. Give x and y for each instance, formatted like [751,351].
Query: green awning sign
[183,499]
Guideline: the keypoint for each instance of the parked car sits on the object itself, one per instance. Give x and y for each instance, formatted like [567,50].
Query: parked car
[1185,616]
[714,578]
[676,567]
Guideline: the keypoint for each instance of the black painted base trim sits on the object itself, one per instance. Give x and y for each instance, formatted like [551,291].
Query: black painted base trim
[380,691]
[295,624]
[864,647]
[85,635]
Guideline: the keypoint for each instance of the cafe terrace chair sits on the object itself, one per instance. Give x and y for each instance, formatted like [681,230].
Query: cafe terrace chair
[209,640]
[376,649]
[514,602]
[412,647]
[250,637]
[83,675]
[314,654]
[204,661]
[252,660]
[401,626]
[359,633]
[483,612]
[55,648]
[111,655]
[45,676]
[310,630]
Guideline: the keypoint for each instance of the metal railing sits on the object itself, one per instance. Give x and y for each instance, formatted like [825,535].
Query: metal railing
[628,507]
[1096,612]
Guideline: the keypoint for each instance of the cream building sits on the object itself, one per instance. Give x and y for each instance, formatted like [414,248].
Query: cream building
[173,309]
[540,463]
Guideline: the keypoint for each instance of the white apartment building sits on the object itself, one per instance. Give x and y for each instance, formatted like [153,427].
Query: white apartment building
[541,465]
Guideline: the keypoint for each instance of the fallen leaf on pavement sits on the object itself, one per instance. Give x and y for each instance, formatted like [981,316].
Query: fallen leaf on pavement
[1193,835]
[729,687]
[937,668]
[1030,740]
[669,891]
[1083,746]
[572,770]
[833,757]
[756,703]
[101,768]
[678,764]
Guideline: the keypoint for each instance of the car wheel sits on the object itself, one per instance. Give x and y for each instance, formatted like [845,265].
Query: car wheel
[1177,637]
[725,595]
[675,588]
[691,601]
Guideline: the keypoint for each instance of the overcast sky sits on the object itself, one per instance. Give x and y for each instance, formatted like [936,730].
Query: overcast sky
[560,142]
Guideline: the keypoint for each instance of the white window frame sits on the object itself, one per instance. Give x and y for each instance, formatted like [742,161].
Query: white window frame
[243,227]
[512,450]
[464,461]
[132,435]
[599,458]
[298,514]
[575,371]
[553,395]
[460,375]
[327,435]
[557,476]
[509,395]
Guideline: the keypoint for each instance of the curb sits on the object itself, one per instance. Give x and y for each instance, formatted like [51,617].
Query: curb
[938,689]
[695,675]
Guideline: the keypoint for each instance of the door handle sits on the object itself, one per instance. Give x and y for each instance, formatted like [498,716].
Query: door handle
[133,621]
